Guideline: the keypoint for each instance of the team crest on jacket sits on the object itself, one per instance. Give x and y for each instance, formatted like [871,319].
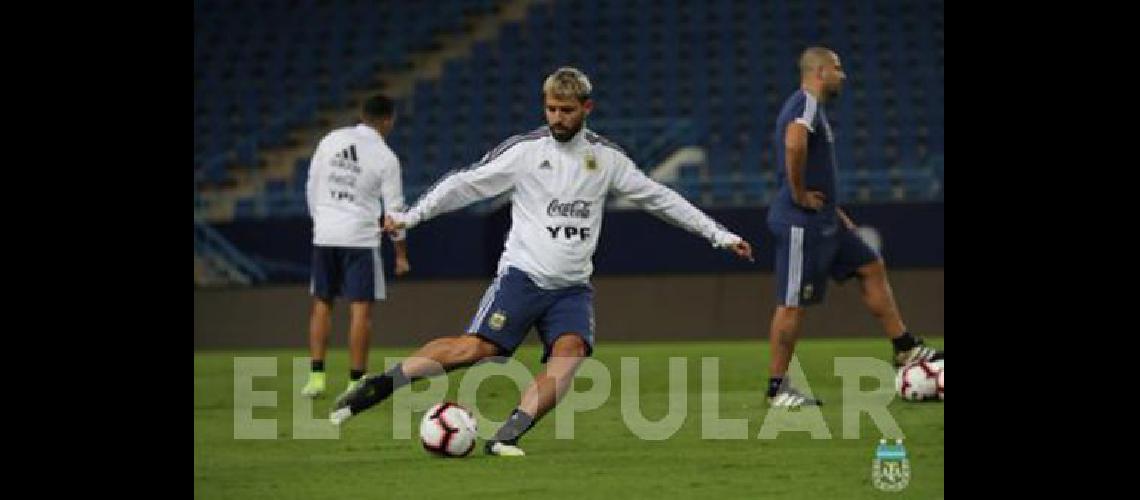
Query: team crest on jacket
[591,162]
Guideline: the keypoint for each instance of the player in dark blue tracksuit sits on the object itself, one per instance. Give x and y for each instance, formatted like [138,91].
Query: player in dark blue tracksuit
[814,239]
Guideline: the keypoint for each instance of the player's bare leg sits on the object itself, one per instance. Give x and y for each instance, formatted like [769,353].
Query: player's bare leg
[543,393]
[320,325]
[359,335]
[880,301]
[446,354]
[782,336]
[434,358]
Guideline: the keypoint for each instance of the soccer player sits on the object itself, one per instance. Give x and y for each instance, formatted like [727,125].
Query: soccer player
[351,171]
[814,238]
[559,175]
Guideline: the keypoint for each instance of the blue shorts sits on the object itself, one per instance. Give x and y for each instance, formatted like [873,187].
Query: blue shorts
[355,273]
[807,255]
[513,303]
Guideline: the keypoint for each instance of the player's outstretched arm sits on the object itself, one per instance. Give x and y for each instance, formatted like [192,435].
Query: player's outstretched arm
[488,178]
[673,208]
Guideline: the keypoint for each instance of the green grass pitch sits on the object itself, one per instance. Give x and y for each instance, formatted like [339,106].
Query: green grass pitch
[604,459]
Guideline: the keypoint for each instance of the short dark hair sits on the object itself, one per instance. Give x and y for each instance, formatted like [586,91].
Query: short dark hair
[379,106]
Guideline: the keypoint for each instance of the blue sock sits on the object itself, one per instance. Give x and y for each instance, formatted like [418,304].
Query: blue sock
[516,425]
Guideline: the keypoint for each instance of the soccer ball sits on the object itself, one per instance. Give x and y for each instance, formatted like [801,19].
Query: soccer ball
[941,380]
[918,381]
[448,430]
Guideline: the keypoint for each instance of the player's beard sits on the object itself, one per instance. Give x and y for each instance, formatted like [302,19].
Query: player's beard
[833,92]
[563,135]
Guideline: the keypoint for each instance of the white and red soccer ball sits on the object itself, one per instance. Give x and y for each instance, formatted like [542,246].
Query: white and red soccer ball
[448,430]
[922,380]
[941,381]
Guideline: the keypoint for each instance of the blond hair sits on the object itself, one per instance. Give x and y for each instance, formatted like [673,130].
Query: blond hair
[568,83]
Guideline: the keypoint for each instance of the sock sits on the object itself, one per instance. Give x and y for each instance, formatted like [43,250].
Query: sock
[381,387]
[904,342]
[516,425]
[317,365]
[774,384]
[355,375]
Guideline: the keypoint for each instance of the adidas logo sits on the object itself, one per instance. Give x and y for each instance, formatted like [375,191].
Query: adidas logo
[346,159]
[545,165]
[348,153]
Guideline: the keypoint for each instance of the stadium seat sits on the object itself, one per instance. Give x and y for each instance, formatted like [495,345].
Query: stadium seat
[725,66]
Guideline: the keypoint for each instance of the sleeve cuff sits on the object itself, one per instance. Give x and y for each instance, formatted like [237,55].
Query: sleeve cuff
[723,239]
[409,219]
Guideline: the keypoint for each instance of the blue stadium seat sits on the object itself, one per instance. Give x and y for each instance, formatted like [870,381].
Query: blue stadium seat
[757,190]
[245,208]
[689,173]
[726,65]
[247,152]
[723,190]
[300,171]
[276,187]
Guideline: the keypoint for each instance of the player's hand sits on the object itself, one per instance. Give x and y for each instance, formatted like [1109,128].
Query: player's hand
[743,250]
[391,225]
[402,266]
[812,200]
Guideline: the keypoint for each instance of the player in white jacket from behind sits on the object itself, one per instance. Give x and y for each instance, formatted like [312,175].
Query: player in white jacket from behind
[354,178]
[560,175]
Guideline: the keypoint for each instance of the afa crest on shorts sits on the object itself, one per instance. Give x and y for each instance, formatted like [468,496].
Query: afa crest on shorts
[497,320]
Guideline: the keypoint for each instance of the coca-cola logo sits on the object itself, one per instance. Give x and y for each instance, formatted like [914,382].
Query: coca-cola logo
[576,208]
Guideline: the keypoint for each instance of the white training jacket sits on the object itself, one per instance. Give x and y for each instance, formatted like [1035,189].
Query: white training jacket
[558,201]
